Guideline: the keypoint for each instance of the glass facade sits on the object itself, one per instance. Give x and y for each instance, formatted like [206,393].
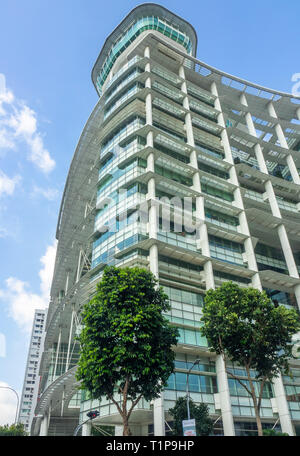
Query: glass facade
[142,24]
[163,131]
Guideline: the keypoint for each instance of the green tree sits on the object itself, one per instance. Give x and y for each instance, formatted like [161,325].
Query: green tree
[126,341]
[273,433]
[13,430]
[244,326]
[204,424]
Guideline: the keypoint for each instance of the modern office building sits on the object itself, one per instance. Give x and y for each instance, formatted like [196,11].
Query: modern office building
[31,384]
[171,131]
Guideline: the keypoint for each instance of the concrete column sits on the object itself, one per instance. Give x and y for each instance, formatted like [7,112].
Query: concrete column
[153,216]
[221,122]
[86,429]
[118,431]
[282,406]
[70,338]
[153,254]
[297,294]
[158,408]
[147,52]
[284,241]
[223,388]
[57,353]
[79,266]
[261,162]
[200,209]
[209,275]
[238,200]
[67,282]
[284,144]
[44,425]
[272,199]
[293,169]
[287,251]
[159,416]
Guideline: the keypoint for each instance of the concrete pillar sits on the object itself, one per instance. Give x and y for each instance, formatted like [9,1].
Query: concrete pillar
[287,251]
[86,429]
[284,241]
[153,254]
[297,294]
[282,407]
[159,416]
[118,431]
[70,337]
[223,388]
[272,199]
[283,143]
[158,409]
[44,425]
[57,353]
[209,275]
[67,282]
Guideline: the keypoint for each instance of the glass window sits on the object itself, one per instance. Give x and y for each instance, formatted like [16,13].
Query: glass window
[180,381]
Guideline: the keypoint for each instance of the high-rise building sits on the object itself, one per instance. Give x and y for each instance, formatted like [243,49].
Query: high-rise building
[171,131]
[31,384]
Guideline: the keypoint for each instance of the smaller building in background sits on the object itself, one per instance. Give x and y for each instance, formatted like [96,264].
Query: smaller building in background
[32,379]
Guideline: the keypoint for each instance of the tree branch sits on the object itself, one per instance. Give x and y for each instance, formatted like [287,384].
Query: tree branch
[262,384]
[236,378]
[125,392]
[116,404]
[134,404]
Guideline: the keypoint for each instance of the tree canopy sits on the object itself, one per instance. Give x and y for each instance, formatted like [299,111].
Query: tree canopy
[199,412]
[126,341]
[13,430]
[244,326]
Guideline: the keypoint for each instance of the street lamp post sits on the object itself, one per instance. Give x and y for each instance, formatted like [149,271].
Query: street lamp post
[187,389]
[8,387]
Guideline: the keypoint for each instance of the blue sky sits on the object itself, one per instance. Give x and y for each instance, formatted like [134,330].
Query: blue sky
[47,51]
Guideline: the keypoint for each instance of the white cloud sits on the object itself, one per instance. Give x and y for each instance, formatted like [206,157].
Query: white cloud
[2,345]
[20,301]
[49,193]
[38,154]
[6,142]
[7,185]
[23,122]
[6,96]
[46,273]
[18,124]
[8,404]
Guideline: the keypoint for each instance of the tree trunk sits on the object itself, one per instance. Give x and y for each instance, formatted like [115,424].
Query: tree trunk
[126,428]
[254,399]
[258,421]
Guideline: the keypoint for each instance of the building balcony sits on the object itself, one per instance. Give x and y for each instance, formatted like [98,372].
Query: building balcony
[282,188]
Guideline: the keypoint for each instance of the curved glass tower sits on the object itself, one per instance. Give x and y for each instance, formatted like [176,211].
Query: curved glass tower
[192,173]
